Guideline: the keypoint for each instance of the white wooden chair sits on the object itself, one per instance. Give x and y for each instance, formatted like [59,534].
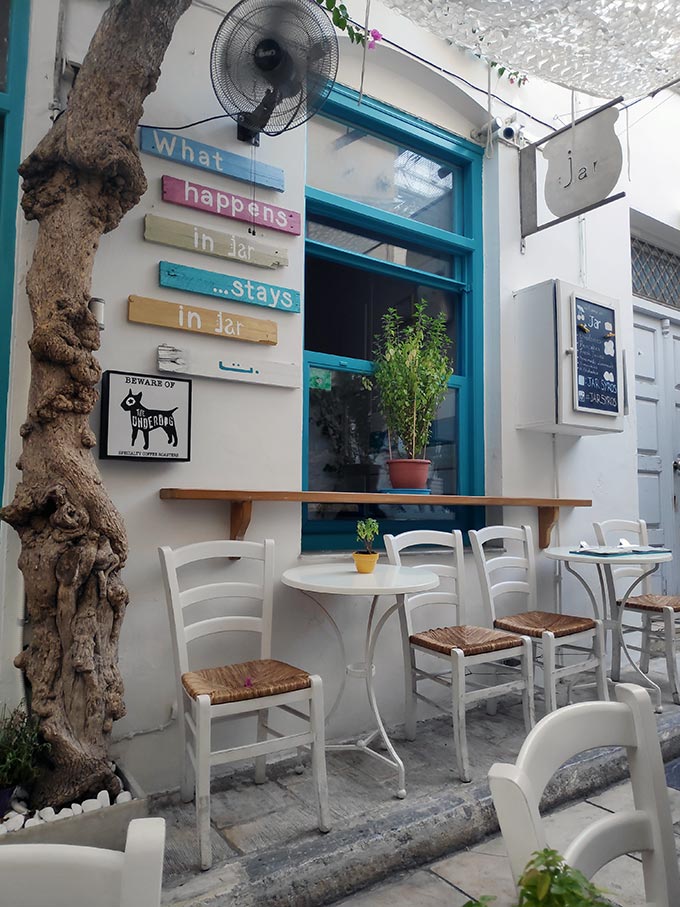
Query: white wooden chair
[659,613]
[647,829]
[236,689]
[65,875]
[515,573]
[460,645]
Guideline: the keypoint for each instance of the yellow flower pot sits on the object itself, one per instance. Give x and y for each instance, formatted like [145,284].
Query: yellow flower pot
[365,562]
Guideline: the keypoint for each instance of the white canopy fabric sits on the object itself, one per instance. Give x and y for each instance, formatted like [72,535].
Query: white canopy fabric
[602,47]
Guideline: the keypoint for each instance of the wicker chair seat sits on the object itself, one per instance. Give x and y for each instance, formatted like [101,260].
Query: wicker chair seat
[248,680]
[653,602]
[471,640]
[535,623]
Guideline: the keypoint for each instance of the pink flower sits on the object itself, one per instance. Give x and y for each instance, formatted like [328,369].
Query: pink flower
[374,36]
[249,682]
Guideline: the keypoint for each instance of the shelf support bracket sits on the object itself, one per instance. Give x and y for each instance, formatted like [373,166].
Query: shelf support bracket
[241,512]
[547,517]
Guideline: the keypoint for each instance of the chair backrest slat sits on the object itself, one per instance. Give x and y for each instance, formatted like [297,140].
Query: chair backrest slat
[491,570]
[222,625]
[212,591]
[609,532]
[452,593]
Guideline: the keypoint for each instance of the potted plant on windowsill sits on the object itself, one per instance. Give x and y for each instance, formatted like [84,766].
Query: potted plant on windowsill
[412,371]
[367,531]
[21,752]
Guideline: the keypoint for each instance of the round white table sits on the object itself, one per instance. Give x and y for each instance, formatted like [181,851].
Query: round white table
[343,579]
[612,617]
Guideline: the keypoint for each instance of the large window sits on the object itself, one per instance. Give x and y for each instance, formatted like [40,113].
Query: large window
[393,217]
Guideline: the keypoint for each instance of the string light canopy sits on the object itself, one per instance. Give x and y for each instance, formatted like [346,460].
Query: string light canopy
[601,47]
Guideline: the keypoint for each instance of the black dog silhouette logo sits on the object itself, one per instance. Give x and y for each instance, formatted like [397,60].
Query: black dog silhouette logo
[146,420]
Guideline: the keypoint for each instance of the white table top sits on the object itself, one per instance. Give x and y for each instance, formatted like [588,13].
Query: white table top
[343,579]
[618,560]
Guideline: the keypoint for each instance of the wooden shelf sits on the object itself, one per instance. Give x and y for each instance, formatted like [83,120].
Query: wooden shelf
[242,503]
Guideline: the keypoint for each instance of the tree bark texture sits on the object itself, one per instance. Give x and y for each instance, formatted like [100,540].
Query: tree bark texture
[79,182]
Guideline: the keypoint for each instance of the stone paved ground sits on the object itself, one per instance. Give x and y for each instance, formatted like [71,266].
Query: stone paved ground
[267,850]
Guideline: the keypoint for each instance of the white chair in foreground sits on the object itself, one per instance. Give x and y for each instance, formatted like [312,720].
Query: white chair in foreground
[234,690]
[648,829]
[660,614]
[513,572]
[65,875]
[461,646]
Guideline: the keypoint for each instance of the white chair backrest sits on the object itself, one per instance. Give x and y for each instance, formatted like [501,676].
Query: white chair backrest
[183,628]
[609,532]
[493,579]
[65,875]
[450,593]
[517,790]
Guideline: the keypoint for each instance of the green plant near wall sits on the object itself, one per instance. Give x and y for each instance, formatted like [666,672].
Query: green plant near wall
[548,881]
[367,531]
[340,16]
[412,371]
[22,749]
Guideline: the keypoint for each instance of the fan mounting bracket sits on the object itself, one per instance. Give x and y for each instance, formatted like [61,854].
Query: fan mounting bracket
[244,133]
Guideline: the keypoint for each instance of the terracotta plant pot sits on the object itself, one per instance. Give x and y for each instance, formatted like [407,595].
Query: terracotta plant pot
[365,562]
[408,473]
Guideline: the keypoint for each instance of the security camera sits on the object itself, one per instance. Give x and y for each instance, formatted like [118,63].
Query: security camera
[480,134]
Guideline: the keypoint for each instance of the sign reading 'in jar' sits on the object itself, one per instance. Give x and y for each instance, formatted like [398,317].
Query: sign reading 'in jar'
[196,319]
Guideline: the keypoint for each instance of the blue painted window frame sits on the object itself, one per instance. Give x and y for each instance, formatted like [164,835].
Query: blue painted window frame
[11,115]
[386,122]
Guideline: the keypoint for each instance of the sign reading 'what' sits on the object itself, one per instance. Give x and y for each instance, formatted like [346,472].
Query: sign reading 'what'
[239,289]
[208,157]
[226,204]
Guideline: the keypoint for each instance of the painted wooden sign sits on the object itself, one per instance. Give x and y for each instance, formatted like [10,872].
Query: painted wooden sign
[210,283]
[226,204]
[274,374]
[208,157]
[183,235]
[184,317]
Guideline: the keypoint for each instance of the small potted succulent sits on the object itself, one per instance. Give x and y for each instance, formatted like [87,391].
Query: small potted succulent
[412,371]
[367,531]
[21,752]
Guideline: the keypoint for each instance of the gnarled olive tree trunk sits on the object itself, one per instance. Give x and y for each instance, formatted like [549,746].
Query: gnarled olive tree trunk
[78,183]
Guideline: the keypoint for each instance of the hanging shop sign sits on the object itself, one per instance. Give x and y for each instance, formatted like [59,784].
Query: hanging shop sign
[197,320]
[243,368]
[226,204]
[208,157]
[195,238]
[584,163]
[144,417]
[239,289]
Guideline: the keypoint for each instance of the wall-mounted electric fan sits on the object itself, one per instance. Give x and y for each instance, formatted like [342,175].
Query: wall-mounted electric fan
[273,64]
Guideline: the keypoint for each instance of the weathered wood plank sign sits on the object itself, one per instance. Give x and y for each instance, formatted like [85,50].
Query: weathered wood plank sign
[184,317]
[226,204]
[184,235]
[208,157]
[274,374]
[210,283]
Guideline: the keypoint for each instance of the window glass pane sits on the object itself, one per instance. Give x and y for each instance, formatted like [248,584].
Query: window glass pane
[375,246]
[656,272]
[348,447]
[4,42]
[344,307]
[349,162]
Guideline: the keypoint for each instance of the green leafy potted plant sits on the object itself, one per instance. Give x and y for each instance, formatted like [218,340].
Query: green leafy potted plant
[21,750]
[548,881]
[367,531]
[412,371]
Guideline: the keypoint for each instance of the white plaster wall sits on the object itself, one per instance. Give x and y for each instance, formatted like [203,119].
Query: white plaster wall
[250,437]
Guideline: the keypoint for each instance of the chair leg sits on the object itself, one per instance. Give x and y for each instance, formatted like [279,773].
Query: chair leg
[188,781]
[616,649]
[261,761]
[409,679]
[549,684]
[458,713]
[646,643]
[528,706]
[203,779]
[601,666]
[492,704]
[669,647]
[316,720]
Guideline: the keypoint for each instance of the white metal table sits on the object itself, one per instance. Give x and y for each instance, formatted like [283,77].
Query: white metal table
[612,617]
[343,579]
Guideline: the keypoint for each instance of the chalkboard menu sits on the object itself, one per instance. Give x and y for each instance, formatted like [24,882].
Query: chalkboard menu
[596,385]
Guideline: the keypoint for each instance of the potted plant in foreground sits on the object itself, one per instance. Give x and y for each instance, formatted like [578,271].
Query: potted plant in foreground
[412,371]
[21,750]
[367,531]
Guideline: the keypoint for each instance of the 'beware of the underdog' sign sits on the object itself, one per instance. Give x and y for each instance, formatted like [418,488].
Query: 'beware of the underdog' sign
[208,157]
[226,204]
